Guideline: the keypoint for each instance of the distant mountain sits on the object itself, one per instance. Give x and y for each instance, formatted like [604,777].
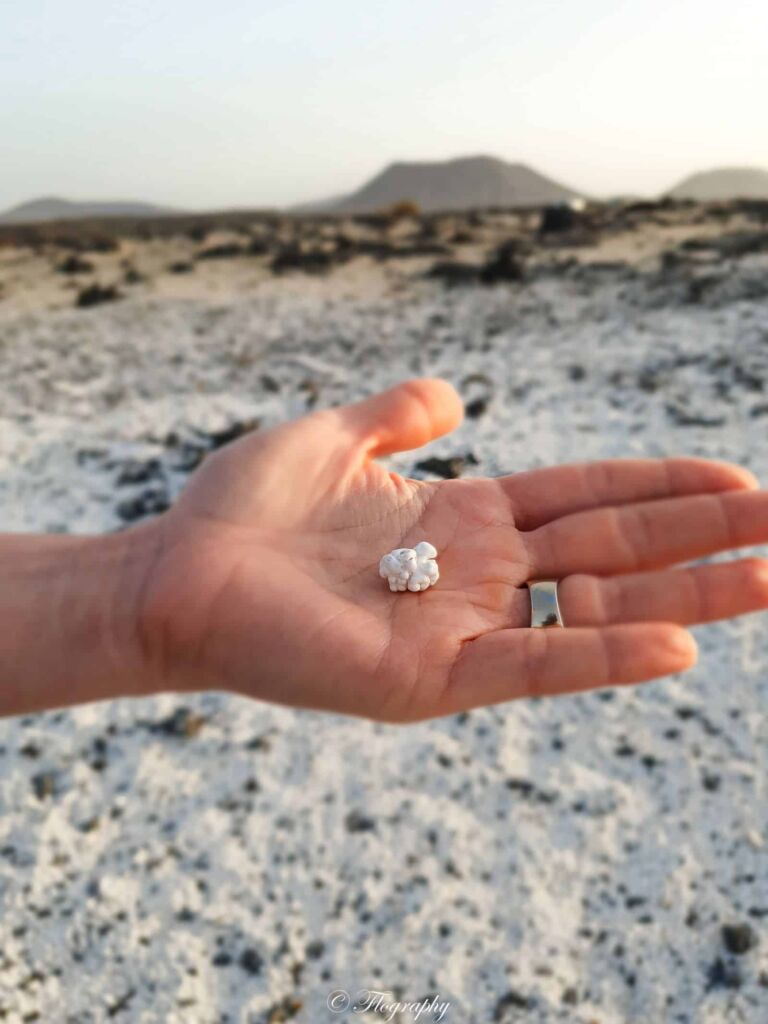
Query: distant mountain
[460,184]
[724,183]
[52,208]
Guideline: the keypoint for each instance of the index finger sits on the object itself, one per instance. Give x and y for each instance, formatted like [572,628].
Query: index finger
[539,496]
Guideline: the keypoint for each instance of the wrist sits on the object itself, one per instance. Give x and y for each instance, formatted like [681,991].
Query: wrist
[70,618]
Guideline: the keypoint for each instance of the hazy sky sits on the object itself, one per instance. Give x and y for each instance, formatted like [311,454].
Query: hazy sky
[242,102]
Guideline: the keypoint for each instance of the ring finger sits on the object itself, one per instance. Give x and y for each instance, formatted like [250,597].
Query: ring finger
[687,595]
[648,535]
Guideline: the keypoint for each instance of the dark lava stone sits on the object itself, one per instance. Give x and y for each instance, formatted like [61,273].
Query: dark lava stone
[511,1000]
[356,821]
[44,784]
[557,218]
[476,408]
[739,938]
[189,457]
[527,790]
[250,961]
[504,265]
[710,782]
[293,257]
[181,722]
[136,471]
[683,418]
[95,295]
[221,437]
[723,975]
[132,276]
[454,272]
[148,503]
[75,265]
[448,469]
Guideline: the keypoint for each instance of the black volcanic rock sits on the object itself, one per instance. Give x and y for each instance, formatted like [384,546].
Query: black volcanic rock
[739,938]
[504,265]
[75,265]
[138,471]
[450,468]
[217,438]
[150,502]
[308,261]
[95,295]
[557,218]
[454,272]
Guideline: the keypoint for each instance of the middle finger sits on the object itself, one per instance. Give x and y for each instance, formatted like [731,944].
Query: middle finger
[648,535]
[687,596]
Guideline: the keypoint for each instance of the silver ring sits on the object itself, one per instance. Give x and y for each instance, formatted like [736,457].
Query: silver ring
[545,611]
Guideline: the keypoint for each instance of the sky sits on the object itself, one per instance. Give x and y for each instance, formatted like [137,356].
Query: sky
[245,103]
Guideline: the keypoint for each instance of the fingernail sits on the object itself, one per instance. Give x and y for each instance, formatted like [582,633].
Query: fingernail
[684,649]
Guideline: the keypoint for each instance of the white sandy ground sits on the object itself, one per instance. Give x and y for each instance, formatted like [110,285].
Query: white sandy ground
[564,861]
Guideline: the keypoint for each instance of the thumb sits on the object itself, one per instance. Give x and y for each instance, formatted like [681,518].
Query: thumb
[405,416]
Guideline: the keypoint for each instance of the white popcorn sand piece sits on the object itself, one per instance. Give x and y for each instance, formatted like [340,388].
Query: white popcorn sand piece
[411,569]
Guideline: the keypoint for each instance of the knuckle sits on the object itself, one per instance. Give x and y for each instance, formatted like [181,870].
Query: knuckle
[583,599]
[697,599]
[633,526]
[608,671]
[724,508]
[755,576]
[603,480]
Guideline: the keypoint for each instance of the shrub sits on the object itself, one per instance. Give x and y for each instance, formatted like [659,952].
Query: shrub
[404,209]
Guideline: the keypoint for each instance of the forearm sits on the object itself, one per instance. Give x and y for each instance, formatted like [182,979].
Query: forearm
[70,618]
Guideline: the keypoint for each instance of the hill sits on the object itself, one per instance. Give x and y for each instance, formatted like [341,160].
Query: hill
[460,184]
[53,208]
[723,183]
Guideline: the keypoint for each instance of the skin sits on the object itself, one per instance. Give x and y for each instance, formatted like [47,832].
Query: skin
[263,578]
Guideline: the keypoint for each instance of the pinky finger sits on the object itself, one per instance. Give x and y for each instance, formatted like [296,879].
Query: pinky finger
[512,663]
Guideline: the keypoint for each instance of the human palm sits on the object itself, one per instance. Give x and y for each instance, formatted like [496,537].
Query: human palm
[267,579]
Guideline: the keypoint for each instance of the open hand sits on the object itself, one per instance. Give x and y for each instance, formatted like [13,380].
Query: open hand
[267,581]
